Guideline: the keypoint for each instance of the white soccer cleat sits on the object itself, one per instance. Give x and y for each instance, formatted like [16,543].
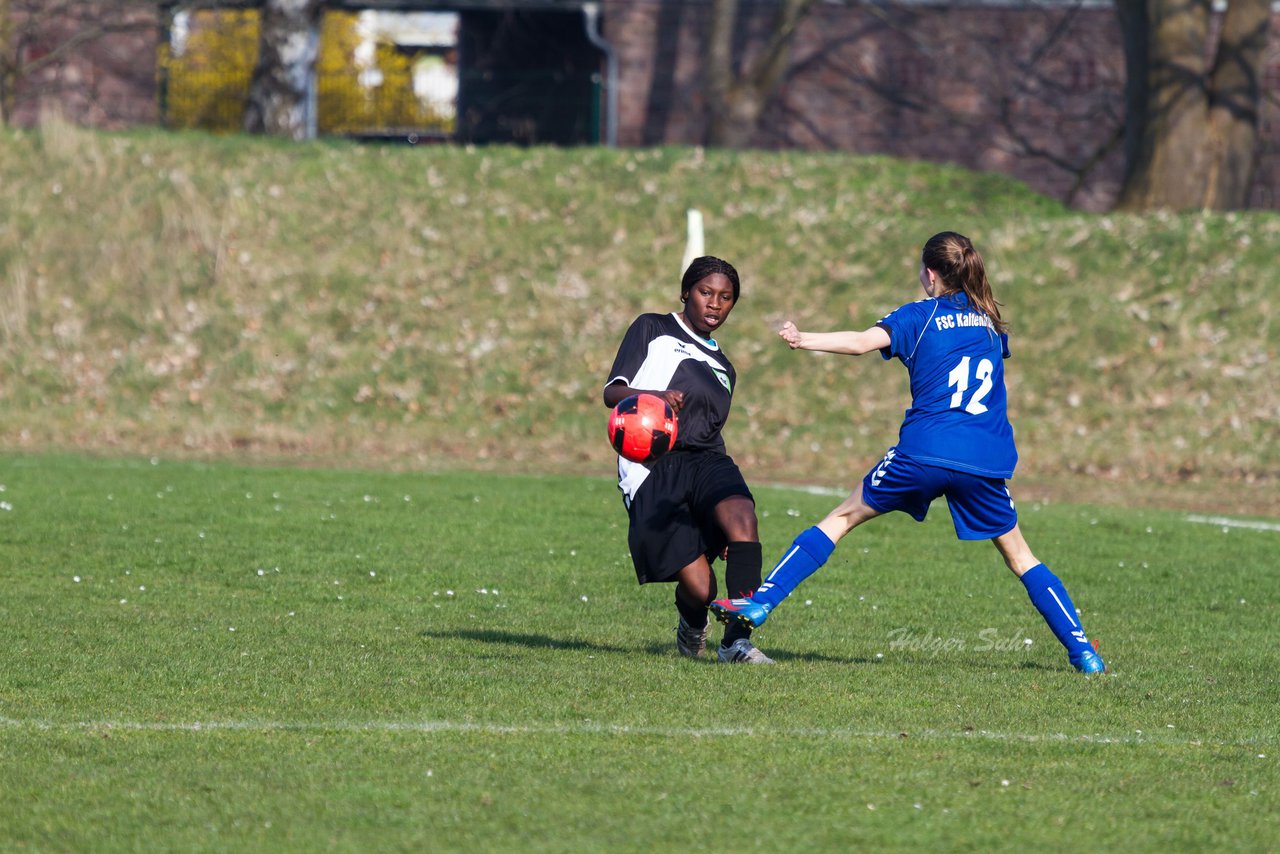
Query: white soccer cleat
[742,651]
[691,642]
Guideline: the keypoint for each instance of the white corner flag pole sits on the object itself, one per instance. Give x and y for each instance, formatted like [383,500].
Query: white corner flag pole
[693,241]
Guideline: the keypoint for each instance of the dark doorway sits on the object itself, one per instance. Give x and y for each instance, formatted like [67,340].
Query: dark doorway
[528,77]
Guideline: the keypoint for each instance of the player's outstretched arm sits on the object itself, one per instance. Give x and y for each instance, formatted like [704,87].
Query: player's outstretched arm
[847,343]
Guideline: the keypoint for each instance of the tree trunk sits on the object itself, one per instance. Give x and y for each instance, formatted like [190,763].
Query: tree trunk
[279,91]
[722,129]
[1191,129]
[1236,87]
[737,103]
[8,65]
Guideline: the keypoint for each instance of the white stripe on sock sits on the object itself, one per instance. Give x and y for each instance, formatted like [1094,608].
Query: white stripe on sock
[782,563]
[1070,616]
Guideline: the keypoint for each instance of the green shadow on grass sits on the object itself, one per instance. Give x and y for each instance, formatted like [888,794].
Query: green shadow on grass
[536,641]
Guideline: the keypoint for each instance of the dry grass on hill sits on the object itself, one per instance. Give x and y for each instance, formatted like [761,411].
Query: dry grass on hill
[441,307]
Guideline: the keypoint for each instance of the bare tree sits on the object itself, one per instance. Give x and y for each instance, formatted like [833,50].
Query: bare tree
[1024,86]
[37,36]
[8,71]
[1058,66]
[1191,129]
[1183,117]
[737,99]
[278,93]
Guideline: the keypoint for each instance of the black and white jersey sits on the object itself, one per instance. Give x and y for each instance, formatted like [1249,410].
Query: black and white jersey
[660,352]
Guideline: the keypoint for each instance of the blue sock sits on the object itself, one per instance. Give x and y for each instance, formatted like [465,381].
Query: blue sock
[809,551]
[1050,598]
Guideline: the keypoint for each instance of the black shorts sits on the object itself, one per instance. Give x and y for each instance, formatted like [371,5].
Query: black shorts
[673,512]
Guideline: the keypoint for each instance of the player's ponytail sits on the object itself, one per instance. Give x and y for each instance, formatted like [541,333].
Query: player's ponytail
[953,257]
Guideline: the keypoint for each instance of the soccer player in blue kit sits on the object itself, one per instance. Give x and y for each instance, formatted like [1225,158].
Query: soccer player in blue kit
[955,440]
[690,506]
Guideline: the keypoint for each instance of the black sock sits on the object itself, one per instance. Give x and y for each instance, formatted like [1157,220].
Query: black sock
[741,577]
[734,631]
[742,569]
[694,613]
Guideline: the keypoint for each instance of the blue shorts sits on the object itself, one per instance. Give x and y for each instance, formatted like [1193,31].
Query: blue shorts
[981,507]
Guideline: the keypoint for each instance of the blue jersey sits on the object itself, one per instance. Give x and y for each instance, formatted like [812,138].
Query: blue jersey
[955,359]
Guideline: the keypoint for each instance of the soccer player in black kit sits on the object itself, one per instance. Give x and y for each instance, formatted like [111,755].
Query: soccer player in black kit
[691,505]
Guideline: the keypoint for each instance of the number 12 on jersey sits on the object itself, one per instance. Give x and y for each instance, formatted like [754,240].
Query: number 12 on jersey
[959,378]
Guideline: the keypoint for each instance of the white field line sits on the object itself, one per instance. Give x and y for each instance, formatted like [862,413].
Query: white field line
[593,729]
[1221,521]
[813,490]
[1227,522]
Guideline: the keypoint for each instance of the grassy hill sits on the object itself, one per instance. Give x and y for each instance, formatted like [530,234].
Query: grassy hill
[435,307]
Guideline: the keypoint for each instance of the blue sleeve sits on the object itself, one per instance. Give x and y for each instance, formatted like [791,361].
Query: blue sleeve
[905,326]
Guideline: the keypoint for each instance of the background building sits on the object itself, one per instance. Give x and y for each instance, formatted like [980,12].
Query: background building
[1033,90]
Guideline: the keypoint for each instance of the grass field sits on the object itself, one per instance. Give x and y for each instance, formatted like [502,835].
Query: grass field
[372,590]
[211,657]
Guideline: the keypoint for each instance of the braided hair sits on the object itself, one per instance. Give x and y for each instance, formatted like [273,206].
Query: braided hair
[705,266]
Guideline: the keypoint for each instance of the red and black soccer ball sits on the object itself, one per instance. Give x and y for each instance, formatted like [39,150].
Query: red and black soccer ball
[642,428]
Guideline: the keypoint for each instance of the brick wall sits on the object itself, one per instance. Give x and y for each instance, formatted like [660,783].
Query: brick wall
[94,65]
[1036,92]
[1032,91]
